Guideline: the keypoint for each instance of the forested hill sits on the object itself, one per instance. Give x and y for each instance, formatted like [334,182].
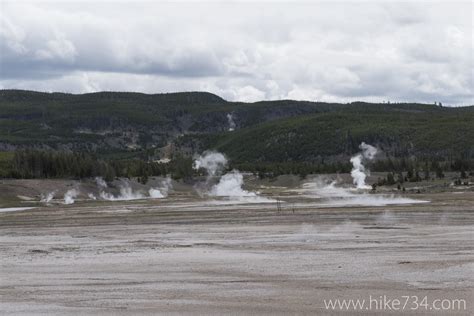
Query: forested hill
[152,126]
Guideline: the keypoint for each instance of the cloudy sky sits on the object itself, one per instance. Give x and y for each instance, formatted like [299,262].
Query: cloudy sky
[322,51]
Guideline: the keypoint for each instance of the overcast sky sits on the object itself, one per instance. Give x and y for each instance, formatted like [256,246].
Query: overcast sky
[247,51]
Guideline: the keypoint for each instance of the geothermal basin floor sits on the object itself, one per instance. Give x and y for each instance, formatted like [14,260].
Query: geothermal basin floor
[187,256]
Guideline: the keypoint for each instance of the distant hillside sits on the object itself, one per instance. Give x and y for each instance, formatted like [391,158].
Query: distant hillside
[399,131]
[155,125]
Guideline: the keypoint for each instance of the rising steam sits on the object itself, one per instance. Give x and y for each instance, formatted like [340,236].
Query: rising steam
[229,185]
[213,162]
[46,198]
[358,170]
[330,193]
[126,193]
[230,120]
[69,197]
[155,193]
[162,191]
[100,182]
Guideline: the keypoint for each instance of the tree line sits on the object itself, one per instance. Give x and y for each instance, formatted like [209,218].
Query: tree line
[31,163]
[39,164]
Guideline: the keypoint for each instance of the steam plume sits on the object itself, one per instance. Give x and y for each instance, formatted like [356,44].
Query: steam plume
[162,191]
[330,194]
[230,120]
[100,182]
[358,170]
[48,197]
[70,196]
[213,162]
[229,185]
[155,193]
[126,194]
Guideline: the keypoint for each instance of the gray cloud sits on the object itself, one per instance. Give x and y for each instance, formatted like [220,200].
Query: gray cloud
[323,51]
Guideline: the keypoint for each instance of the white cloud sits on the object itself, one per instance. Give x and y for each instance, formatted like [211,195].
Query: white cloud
[58,48]
[249,94]
[246,51]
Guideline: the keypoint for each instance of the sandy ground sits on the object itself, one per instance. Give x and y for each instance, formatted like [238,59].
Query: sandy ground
[185,255]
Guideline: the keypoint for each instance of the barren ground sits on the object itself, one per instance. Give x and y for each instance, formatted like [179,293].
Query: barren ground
[186,255]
